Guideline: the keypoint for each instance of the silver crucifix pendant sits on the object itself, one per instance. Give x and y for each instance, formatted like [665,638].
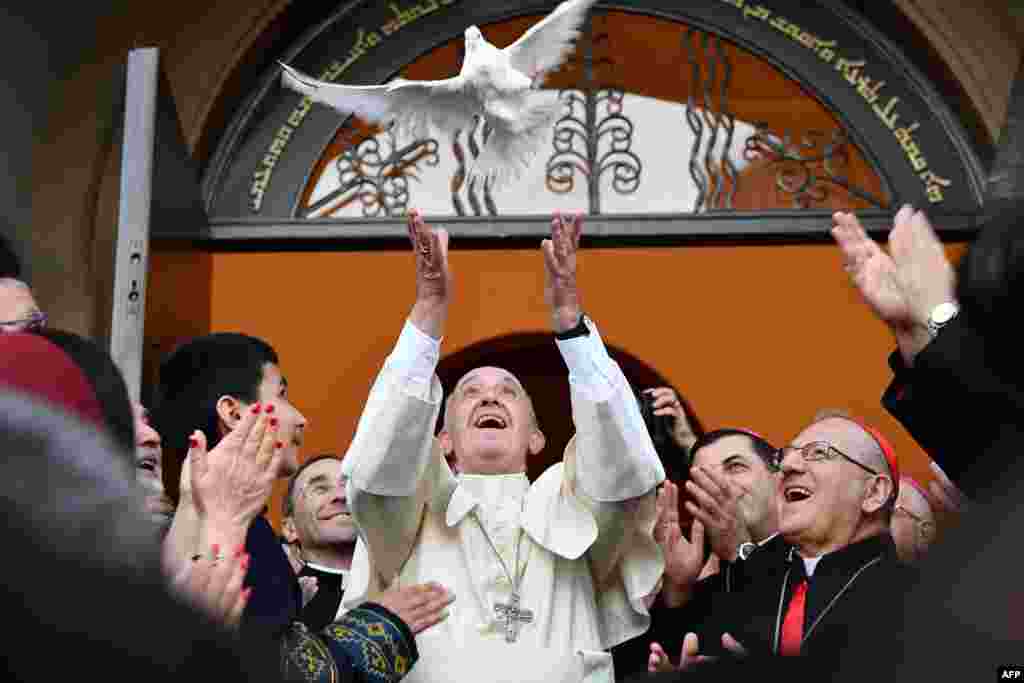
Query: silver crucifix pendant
[511,615]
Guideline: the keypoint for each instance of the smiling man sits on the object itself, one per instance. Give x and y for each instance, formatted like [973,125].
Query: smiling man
[317,524]
[550,574]
[835,596]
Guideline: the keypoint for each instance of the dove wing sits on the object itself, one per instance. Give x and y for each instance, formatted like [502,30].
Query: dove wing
[547,43]
[447,103]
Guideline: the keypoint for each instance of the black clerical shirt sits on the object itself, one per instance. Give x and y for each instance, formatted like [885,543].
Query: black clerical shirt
[322,609]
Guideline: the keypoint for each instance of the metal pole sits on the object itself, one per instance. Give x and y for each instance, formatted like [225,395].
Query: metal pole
[131,263]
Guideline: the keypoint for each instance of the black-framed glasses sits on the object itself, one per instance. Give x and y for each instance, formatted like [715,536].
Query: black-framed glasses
[31,323]
[816,451]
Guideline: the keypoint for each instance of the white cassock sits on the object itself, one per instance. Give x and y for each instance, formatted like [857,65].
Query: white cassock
[587,557]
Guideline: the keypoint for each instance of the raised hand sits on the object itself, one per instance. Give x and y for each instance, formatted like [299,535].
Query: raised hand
[666,402]
[419,606]
[901,289]
[560,290]
[433,278]
[717,506]
[684,558]
[923,271]
[872,270]
[231,483]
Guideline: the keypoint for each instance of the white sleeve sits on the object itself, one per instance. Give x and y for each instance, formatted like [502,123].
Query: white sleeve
[616,458]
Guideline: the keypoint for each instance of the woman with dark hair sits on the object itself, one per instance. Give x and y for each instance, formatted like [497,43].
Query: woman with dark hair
[107,383]
[117,614]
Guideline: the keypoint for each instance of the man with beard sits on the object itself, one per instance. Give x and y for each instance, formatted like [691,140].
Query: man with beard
[317,525]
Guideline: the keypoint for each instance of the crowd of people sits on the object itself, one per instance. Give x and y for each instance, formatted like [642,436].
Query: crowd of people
[141,539]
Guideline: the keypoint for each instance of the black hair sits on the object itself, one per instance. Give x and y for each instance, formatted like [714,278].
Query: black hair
[106,381]
[762,448]
[10,264]
[72,513]
[288,505]
[192,378]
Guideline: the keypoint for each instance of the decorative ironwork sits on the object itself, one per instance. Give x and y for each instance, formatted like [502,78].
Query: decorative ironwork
[584,126]
[375,172]
[808,166]
[458,181]
[716,179]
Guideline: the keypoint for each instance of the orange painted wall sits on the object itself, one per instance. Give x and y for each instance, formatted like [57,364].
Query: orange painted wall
[758,336]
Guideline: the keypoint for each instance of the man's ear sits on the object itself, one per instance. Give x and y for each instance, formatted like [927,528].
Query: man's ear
[229,413]
[877,494]
[288,530]
[537,441]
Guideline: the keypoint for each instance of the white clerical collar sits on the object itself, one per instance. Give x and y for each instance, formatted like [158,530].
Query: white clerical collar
[810,563]
[476,489]
[325,569]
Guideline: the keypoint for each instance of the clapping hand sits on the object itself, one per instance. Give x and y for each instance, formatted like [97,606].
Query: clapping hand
[231,483]
[689,655]
[684,558]
[903,286]
[213,584]
[716,504]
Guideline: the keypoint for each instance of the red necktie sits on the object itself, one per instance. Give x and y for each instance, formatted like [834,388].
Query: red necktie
[793,624]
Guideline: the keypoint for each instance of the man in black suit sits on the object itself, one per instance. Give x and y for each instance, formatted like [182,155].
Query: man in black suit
[957,389]
[836,593]
[733,498]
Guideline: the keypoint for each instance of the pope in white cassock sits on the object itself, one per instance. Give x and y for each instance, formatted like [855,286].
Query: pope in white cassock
[548,575]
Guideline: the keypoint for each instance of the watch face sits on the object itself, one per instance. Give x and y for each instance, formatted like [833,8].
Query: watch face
[943,313]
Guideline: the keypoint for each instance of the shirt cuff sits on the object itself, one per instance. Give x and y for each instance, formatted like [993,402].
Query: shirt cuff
[591,369]
[415,355]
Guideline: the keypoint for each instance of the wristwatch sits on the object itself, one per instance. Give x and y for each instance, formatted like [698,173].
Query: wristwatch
[941,316]
[746,550]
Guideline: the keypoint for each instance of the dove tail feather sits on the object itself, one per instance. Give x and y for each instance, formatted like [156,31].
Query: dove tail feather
[508,152]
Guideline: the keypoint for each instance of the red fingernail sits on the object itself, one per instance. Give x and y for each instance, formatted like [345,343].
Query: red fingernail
[244,561]
[269,408]
[239,550]
[278,445]
[273,422]
[216,549]
[255,408]
[193,442]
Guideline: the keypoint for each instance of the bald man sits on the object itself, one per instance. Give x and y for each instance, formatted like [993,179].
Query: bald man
[548,574]
[836,596]
[913,522]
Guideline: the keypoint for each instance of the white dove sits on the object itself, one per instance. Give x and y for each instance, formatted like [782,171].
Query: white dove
[496,84]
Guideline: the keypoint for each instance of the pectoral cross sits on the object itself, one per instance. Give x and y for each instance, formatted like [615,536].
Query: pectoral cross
[511,615]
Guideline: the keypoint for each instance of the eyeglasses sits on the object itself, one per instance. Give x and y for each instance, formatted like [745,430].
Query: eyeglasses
[816,451]
[32,323]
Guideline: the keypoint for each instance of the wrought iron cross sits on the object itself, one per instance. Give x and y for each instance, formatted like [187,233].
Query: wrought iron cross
[511,615]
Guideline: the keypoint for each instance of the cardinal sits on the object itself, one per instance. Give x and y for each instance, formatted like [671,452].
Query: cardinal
[497,85]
